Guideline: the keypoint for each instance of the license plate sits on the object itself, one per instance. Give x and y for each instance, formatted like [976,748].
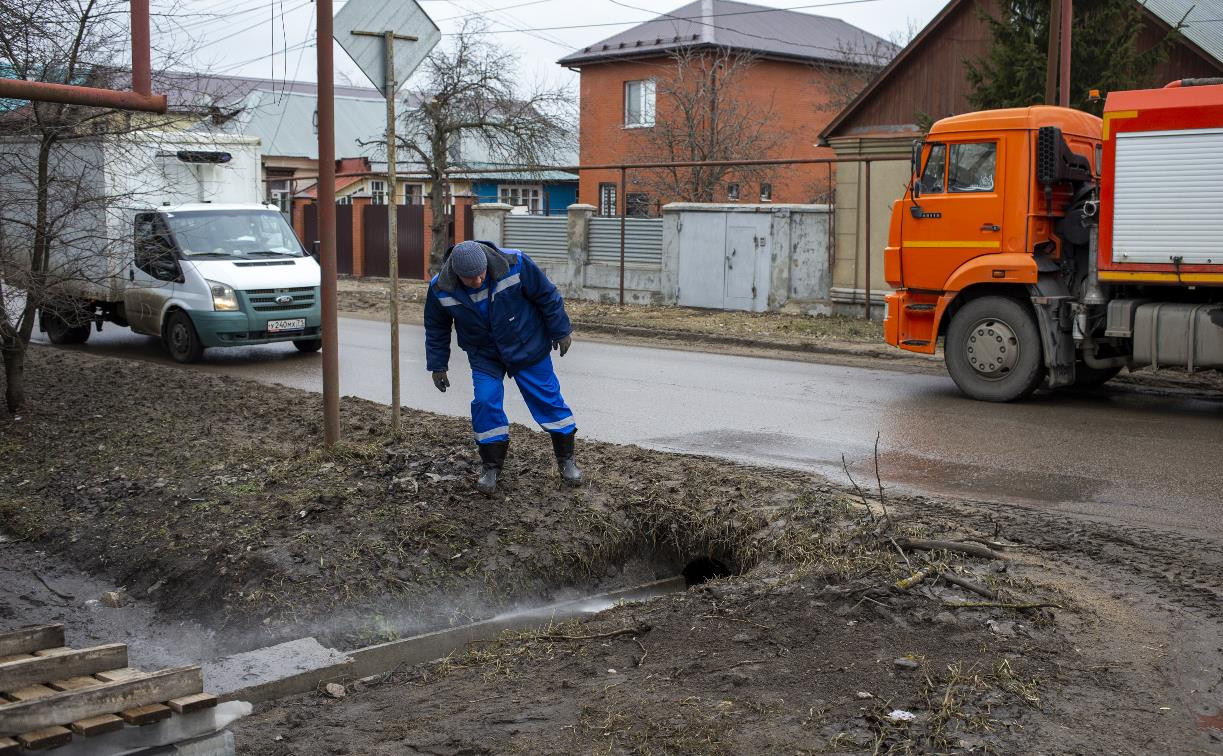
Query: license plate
[291,324]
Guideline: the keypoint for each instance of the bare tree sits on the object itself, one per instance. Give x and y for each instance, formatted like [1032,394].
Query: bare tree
[54,208]
[470,102]
[705,112]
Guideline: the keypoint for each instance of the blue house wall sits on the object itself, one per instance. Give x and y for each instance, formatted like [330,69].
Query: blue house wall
[558,196]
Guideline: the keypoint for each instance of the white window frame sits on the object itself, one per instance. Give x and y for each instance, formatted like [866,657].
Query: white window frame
[766,196]
[413,190]
[377,192]
[642,93]
[732,192]
[519,195]
[280,193]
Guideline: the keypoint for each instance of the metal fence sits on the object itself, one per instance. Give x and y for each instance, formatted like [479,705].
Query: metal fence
[642,241]
[545,238]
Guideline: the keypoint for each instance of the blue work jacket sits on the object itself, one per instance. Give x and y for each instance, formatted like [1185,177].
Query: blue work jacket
[525,315]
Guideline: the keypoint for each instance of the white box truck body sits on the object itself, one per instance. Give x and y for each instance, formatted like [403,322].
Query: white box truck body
[163,232]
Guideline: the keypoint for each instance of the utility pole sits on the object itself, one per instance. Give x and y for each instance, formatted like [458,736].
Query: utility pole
[1067,17]
[392,219]
[1055,29]
[326,223]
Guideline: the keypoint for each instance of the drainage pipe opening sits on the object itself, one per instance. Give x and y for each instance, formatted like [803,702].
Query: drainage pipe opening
[703,569]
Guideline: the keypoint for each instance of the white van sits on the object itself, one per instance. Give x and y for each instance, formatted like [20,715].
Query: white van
[183,249]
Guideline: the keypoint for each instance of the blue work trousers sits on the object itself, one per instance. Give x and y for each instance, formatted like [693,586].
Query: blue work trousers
[539,387]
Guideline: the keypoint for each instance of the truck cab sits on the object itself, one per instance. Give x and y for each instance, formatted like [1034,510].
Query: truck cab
[1046,246]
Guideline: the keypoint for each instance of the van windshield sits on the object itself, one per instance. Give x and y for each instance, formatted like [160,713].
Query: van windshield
[244,234]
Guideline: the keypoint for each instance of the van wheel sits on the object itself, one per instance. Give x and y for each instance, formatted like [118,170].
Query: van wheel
[308,345]
[993,350]
[181,339]
[58,329]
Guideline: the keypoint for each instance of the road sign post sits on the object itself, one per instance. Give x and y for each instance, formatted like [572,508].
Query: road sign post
[364,21]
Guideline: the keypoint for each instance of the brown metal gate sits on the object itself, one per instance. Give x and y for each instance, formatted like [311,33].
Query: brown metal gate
[411,231]
[343,234]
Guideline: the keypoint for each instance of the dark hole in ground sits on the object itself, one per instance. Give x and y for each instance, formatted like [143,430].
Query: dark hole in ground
[704,568]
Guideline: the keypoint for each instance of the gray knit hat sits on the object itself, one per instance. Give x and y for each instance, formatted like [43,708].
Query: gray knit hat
[468,259]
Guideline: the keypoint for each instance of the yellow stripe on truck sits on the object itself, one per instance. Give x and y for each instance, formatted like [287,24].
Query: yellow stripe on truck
[957,244]
[1119,114]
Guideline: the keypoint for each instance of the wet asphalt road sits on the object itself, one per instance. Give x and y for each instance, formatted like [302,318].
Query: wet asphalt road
[1127,457]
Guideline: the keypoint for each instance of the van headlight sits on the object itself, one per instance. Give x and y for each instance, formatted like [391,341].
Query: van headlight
[223,296]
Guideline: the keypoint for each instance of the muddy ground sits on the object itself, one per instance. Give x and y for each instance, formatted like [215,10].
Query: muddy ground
[209,502]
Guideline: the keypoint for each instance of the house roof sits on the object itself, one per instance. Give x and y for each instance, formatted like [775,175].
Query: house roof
[741,26]
[1205,35]
[1199,21]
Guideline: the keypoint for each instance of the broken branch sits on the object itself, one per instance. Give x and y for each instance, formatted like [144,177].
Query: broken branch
[639,630]
[912,580]
[968,585]
[972,549]
[997,605]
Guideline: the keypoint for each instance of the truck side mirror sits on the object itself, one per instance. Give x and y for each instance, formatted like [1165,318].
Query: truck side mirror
[915,167]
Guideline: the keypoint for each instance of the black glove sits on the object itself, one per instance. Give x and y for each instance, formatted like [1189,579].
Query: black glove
[563,345]
[441,381]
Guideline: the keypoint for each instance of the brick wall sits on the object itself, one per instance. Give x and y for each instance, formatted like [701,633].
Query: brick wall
[799,95]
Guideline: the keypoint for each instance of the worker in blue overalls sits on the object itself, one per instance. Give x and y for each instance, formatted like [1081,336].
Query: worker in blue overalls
[508,316]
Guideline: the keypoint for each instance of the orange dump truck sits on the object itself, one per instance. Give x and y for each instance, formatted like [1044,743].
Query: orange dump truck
[1048,246]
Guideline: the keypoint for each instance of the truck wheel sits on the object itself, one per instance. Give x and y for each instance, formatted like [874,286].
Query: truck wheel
[308,345]
[1086,376]
[181,339]
[993,350]
[59,331]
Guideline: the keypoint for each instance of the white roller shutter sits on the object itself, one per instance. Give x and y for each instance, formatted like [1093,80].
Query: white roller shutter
[1169,197]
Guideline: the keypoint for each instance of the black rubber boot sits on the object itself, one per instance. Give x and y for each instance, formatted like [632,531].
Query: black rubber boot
[562,444]
[493,457]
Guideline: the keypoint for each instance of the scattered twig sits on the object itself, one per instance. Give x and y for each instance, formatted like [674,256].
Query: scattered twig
[972,549]
[64,596]
[968,585]
[644,653]
[901,551]
[736,619]
[998,605]
[639,630]
[854,483]
[905,584]
[879,482]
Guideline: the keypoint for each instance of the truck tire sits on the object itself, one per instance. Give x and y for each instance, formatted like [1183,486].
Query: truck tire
[59,331]
[308,345]
[993,350]
[181,339]
[1089,377]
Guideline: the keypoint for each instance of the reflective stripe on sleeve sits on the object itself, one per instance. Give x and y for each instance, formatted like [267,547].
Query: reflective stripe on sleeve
[448,301]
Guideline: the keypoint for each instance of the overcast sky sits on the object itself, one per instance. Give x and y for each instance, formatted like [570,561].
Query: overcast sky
[274,38]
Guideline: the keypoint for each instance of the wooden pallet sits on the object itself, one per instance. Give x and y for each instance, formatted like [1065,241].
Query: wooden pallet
[50,692]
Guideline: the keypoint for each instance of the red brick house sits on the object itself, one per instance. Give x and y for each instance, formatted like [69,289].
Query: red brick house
[801,66]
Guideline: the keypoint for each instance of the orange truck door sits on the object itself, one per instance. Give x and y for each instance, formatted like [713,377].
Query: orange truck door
[961,213]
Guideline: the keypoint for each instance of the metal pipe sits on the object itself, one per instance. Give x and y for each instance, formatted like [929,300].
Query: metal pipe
[140,98]
[142,56]
[623,209]
[42,91]
[326,223]
[1063,96]
[832,211]
[867,181]
[630,166]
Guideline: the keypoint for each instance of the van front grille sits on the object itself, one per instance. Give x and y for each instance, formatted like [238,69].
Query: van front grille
[264,300]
